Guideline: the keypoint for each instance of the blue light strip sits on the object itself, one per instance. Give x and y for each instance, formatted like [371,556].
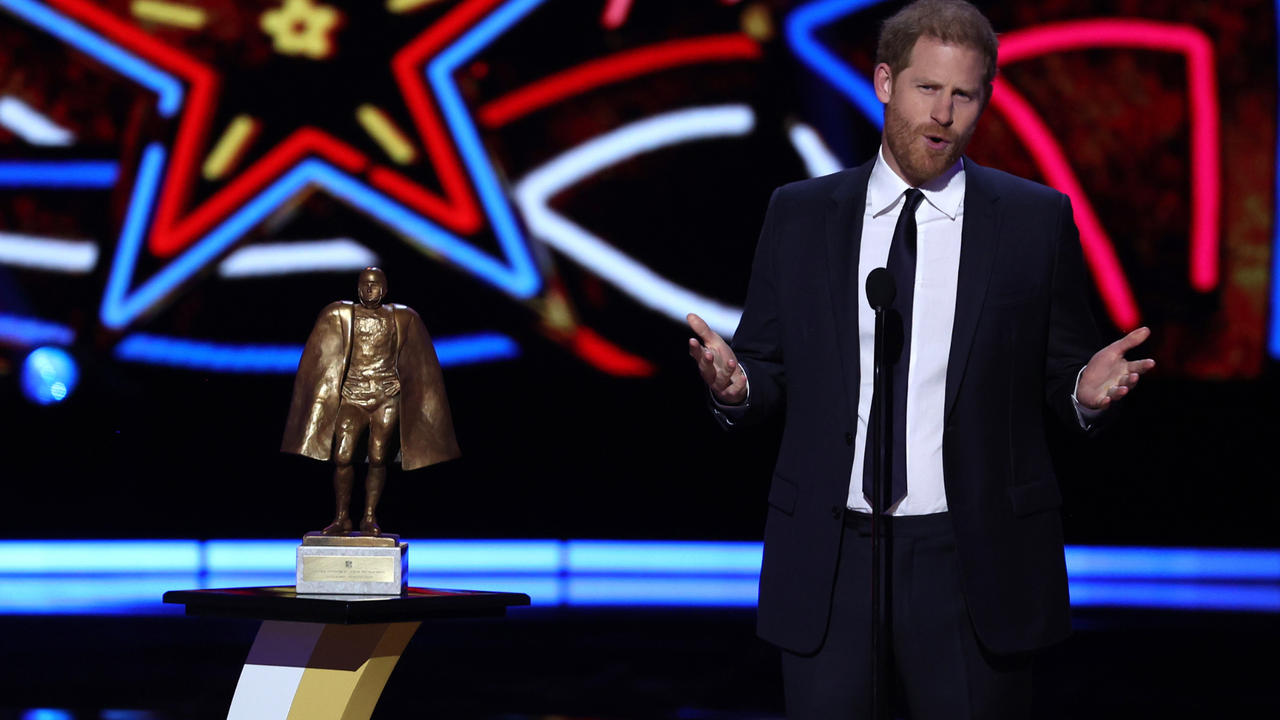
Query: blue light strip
[801,26]
[115,576]
[1084,562]
[525,279]
[283,359]
[1177,595]
[53,557]
[29,332]
[77,174]
[664,558]
[168,88]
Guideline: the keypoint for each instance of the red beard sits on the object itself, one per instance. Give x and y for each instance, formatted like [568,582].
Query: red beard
[919,162]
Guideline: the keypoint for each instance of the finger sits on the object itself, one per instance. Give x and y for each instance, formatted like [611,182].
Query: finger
[1115,392]
[1140,366]
[1132,340]
[703,330]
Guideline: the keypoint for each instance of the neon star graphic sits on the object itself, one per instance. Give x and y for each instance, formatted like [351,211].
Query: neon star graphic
[187,234]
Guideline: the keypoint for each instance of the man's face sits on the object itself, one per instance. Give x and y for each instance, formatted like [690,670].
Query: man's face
[372,287]
[931,108]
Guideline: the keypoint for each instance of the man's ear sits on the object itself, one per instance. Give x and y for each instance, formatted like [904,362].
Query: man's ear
[883,81]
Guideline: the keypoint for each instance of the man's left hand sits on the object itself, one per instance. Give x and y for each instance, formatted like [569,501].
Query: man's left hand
[1109,376]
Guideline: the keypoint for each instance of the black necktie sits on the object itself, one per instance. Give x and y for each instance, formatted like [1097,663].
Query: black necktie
[897,357]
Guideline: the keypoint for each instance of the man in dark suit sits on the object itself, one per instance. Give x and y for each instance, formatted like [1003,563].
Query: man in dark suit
[993,322]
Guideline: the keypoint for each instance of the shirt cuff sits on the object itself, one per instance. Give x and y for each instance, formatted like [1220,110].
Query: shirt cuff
[1085,416]
[732,412]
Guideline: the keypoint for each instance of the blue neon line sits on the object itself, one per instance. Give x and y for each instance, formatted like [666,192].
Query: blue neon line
[120,308]
[114,311]
[526,280]
[168,89]
[201,355]
[800,28]
[1274,340]
[482,347]
[115,576]
[1176,595]
[419,230]
[246,358]
[92,174]
[1086,562]
[28,331]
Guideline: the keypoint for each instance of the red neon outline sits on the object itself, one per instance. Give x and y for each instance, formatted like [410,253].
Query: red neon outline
[1206,181]
[615,68]
[1099,252]
[615,14]
[171,231]
[607,357]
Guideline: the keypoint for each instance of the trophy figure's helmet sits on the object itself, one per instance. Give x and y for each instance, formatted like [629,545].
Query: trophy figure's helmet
[372,287]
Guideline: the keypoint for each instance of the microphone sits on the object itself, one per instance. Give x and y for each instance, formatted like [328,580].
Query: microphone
[881,288]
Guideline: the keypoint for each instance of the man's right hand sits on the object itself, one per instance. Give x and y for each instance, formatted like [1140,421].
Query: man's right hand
[717,363]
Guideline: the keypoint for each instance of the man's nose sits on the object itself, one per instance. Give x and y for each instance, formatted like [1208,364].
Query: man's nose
[943,110]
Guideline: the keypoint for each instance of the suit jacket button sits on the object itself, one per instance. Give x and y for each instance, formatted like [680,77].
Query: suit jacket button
[848,439]
[835,513]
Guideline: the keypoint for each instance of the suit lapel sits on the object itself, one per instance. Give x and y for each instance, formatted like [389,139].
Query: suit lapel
[979,240]
[844,213]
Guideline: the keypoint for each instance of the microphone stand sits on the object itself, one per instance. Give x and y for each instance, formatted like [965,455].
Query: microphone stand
[881,290]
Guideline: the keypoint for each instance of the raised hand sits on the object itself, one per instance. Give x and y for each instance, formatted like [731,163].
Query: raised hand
[717,363]
[1109,376]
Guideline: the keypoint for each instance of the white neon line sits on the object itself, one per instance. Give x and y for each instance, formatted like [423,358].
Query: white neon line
[29,124]
[629,275]
[818,158]
[75,257]
[337,255]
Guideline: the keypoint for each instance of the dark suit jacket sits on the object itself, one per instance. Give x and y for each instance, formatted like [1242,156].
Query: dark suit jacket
[1023,330]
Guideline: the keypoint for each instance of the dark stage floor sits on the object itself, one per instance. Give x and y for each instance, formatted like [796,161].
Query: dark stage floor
[619,663]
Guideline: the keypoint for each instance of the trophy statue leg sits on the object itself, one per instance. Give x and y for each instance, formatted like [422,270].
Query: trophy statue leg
[373,483]
[383,422]
[318,671]
[343,479]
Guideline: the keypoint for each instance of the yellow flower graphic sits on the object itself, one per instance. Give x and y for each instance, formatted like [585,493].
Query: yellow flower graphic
[302,27]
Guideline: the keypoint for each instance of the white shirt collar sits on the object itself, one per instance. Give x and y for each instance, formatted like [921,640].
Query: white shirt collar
[885,188]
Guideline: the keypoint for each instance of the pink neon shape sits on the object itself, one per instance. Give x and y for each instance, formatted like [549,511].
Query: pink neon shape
[615,13]
[1206,185]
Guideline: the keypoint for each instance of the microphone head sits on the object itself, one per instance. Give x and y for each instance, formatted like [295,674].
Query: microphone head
[881,288]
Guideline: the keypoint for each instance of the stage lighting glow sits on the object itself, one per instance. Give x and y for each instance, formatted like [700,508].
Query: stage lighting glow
[74,257]
[46,714]
[93,557]
[54,174]
[818,158]
[711,591]
[640,557]
[241,358]
[1085,562]
[305,256]
[535,191]
[1176,595]
[31,125]
[27,332]
[129,576]
[106,52]
[49,375]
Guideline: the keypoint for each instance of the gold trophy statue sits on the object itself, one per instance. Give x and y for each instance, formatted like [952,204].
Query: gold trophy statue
[368,366]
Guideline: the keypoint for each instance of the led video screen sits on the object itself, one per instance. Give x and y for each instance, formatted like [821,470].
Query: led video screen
[553,185]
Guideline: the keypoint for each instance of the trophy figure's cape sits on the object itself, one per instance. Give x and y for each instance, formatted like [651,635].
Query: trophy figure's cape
[426,427]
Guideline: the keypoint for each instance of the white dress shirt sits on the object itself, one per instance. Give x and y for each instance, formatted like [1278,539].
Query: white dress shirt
[939,220]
